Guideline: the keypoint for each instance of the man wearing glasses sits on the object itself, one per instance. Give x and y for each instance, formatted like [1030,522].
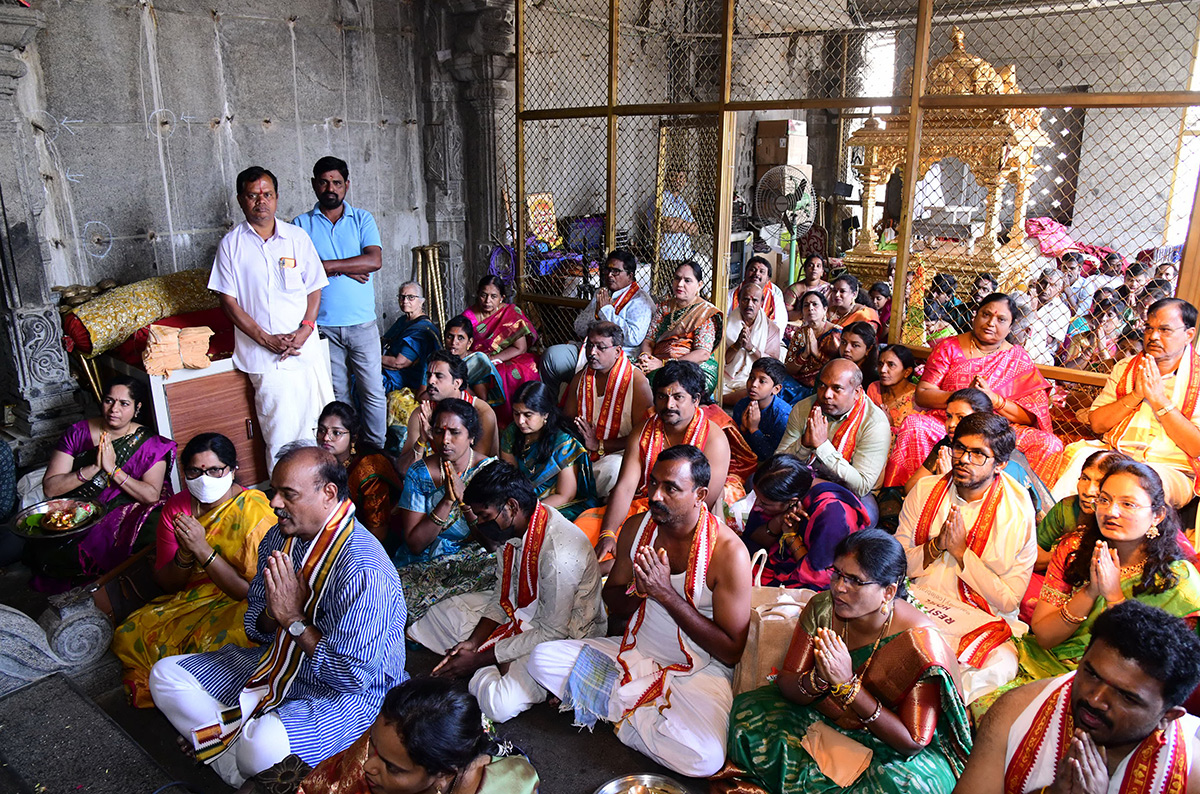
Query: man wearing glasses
[603,399]
[969,536]
[410,341]
[621,301]
[1148,408]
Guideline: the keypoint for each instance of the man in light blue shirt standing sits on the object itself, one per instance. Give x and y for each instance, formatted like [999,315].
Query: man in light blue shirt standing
[347,240]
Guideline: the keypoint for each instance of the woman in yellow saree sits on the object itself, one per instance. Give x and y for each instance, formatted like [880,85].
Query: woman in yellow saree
[205,557]
[1129,549]
[685,326]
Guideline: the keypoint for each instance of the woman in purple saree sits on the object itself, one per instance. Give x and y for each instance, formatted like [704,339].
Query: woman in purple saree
[117,463]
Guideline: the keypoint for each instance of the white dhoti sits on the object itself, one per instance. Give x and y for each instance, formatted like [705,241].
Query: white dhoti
[688,736]
[501,696]
[605,472]
[1178,484]
[288,402]
[262,743]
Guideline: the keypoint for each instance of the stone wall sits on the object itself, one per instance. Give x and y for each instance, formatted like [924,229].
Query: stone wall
[123,127]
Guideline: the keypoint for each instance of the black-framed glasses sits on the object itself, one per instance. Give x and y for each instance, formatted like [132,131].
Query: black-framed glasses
[404,297]
[835,576]
[192,472]
[975,457]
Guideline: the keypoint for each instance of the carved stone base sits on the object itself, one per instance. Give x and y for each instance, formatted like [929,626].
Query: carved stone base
[71,637]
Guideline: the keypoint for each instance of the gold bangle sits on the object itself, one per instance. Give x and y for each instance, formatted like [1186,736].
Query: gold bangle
[1068,616]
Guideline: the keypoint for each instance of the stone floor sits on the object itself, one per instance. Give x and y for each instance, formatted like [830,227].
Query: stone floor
[569,761]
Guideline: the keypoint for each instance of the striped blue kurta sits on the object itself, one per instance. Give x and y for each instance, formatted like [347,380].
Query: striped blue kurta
[339,689]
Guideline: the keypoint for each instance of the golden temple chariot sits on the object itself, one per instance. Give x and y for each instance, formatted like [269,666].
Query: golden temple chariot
[996,145]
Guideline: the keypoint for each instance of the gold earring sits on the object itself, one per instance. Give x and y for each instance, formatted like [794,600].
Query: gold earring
[884,608]
[1152,533]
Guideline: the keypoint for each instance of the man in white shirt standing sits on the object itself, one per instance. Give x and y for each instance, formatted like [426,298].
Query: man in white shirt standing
[270,277]
[675,224]
[971,546]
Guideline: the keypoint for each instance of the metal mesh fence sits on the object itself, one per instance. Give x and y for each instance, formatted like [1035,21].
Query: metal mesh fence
[565,50]
[669,52]
[815,49]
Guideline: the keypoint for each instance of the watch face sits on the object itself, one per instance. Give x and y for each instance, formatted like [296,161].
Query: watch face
[297,628]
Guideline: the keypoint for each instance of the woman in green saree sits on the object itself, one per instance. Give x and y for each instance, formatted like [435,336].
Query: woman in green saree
[555,461]
[1128,549]
[685,326]
[869,684]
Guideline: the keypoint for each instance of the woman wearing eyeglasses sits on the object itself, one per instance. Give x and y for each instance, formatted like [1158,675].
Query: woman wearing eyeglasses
[863,663]
[1130,547]
[205,556]
[374,485]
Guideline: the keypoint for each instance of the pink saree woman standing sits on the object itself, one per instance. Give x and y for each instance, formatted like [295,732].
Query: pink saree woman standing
[983,359]
[504,334]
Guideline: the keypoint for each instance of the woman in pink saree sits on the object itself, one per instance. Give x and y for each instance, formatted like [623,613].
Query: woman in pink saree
[503,333]
[981,358]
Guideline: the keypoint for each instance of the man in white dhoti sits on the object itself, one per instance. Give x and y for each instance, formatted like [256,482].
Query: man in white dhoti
[604,399]
[270,277]
[971,546]
[547,588]
[682,581]
[1114,726]
[758,271]
[749,336]
[1149,408]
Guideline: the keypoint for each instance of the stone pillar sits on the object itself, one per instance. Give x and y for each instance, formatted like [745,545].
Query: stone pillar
[485,63]
[33,364]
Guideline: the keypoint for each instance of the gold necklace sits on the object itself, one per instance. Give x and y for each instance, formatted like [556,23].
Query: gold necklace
[862,671]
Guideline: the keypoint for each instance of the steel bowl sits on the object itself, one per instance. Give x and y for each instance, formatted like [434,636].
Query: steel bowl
[27,523]
[641,784]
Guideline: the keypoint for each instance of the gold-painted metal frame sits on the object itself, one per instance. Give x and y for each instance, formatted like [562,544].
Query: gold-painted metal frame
[916,105]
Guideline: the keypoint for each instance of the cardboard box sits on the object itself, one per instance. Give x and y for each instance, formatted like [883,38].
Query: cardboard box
[781,142]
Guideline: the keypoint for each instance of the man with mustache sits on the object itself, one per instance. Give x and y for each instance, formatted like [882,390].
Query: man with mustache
[547,588]
[269,278]
[679,594]
[970,540]
[1115,725]
[619,300]
[348,241]
[605,398]
[445,376]
[678,419]
[328,613]
[841,433]
[1148,408]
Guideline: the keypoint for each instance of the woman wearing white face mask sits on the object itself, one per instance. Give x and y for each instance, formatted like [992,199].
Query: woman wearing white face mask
[205,556]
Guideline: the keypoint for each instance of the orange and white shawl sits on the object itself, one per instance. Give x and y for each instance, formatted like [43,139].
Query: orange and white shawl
[846,436]
[1041,736]
[268,687]
[526,573]
[975,645]
[656,685]
[606,413]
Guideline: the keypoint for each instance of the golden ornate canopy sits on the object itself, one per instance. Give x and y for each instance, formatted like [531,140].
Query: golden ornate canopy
[996,145]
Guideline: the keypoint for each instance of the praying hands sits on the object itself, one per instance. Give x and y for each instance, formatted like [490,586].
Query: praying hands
[954,535]
[286,593]
[832,657]
[816,432]
[1104,574]
[652,574]
[1084,770]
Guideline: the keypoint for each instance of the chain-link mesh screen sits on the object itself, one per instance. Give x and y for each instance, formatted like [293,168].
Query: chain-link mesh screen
[667,195]
[565,47]
[669,52]
[816,49]
[564,205]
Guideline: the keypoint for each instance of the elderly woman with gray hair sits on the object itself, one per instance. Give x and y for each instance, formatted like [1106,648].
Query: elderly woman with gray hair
[410,340]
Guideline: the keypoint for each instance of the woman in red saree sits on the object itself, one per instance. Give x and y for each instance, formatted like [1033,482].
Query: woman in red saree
[983,359]
[504,333]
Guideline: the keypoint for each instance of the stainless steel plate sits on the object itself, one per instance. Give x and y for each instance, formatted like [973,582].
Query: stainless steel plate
[28,522]
[641,784]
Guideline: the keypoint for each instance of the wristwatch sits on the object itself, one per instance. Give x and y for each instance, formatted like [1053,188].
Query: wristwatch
[1166,409]
[298,627]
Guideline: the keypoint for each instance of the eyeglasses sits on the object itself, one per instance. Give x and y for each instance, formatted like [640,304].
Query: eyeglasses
[974,457]
[614,271]
[835,576]
[331,432]
[191,472]
[404,297]
[1106,502]
[598,348]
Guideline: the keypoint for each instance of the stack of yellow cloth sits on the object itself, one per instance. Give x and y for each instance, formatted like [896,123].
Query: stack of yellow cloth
[176,348]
